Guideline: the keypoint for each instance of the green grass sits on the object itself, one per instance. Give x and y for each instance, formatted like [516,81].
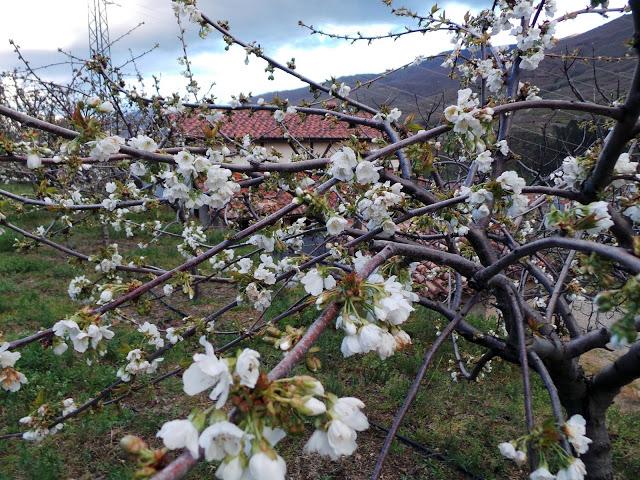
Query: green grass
[462,421]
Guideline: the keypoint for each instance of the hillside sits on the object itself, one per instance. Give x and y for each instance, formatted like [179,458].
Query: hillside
[417,87]
[544,138]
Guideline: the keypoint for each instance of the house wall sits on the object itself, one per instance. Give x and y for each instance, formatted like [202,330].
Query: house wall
[317,147]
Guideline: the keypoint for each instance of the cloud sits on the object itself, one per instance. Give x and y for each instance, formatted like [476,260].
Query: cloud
[41,26]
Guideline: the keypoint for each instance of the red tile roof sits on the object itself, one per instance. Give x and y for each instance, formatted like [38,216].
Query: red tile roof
[261,125]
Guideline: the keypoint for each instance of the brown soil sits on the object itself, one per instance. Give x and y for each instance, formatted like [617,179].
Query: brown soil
[628,400]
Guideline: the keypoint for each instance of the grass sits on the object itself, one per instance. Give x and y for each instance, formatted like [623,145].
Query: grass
[464,422]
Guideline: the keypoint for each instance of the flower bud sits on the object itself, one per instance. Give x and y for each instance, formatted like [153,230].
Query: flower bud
[313,386]
[313,363]
[145,472]
[402,339]
[313,407]
[198,418]
[132,444]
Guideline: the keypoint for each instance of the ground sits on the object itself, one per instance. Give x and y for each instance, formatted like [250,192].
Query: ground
[457,425]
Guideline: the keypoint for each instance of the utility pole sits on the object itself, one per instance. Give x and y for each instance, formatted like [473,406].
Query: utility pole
[99,45]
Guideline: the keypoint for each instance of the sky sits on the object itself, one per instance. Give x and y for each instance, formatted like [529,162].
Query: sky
[41,27]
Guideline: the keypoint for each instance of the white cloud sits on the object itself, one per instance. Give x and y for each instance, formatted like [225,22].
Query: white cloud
[37,24]
[328,58]
[44,25]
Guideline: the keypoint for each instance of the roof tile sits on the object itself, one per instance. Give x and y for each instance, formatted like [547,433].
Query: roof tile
[261,125]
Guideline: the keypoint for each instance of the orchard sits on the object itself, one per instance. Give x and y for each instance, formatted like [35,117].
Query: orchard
[336,254]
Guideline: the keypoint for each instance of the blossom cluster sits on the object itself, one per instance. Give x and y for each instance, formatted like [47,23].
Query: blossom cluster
[102,149]
[375,205]
[39,422]
[193,237]
[343,163]
[470,121]
[196,182]
[138,364]
[593,218]
[244,443]
[108,260]
[573,430]
[373,309]
[258,277]
[506,192]
[83,330]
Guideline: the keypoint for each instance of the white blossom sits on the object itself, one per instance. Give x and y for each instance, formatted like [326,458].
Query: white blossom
[205,372]
[260,297]
[313,407]
[152,334]
[519,204]
[10,379]
[542,473]
[367,172]
[172,336]
[105,107]
[342,164]
[262,466]
[633,212]
[532,60]
[103,149]
[575,471]
[319,443]
[76,285]
[503,146]
[600,210]
[262,241]
[341,438]
[511,181]
[344,90]
[465,115]
[279,116]
[484,162]
[336,225]
[624,165]
[33,161]
[180,434]
[509,451]
[248,367]
[138,169]
[142,142]
[394,115]
[314,283]
[231,470]
[137,364]
[221,439]
[575,428]
[263,274]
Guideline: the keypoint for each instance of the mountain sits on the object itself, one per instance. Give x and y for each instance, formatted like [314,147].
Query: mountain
[417,87]
[544,137]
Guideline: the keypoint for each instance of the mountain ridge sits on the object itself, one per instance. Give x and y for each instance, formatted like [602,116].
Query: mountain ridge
[417,88]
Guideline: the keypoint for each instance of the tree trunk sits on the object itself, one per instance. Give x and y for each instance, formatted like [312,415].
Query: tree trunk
[598,457]
[577,398]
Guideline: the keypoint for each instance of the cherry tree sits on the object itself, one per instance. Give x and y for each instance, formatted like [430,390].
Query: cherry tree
[469,213]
